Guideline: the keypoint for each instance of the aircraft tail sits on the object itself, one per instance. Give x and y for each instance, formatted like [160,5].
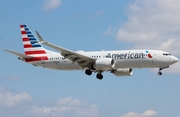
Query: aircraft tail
[30,42]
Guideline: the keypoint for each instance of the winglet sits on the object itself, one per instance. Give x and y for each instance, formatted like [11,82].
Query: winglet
[40,37]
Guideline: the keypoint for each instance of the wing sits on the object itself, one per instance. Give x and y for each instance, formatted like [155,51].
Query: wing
[82,60]
[18,54]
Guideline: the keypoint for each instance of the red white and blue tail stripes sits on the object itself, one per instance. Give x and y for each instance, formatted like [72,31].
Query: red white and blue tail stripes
[31,44]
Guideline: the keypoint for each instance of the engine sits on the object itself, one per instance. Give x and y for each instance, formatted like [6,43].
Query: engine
[123,72]
[105,64]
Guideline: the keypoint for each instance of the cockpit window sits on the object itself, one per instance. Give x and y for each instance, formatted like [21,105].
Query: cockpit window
[166,54]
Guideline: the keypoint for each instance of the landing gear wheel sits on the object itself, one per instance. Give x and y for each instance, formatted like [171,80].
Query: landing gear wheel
[161,68]
[88,72]
[159,73]
[99,76]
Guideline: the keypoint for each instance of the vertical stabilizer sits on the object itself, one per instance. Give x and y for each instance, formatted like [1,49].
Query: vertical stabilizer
[32,47]
[30,42]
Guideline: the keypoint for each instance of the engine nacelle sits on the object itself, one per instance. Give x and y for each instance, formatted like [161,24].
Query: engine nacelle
[105,64]
[123,72]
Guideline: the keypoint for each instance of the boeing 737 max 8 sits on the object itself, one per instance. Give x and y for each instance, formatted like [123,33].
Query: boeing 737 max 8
[119,62]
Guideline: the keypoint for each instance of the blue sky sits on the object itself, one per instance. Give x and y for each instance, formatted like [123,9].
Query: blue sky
[28,91]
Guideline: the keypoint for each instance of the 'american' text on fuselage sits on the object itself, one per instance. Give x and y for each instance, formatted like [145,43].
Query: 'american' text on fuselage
[126,55]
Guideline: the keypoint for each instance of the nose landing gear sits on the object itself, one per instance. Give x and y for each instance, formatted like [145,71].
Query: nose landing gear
[159,73]
[161,68]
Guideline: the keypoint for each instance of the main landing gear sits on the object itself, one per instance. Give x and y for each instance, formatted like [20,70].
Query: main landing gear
[98,76]
[161,68]
[88,72]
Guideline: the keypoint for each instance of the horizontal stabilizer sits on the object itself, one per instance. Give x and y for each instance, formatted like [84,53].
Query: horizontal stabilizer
[18,54]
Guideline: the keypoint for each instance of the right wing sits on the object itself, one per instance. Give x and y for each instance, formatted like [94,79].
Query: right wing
[18,54]
[82,60]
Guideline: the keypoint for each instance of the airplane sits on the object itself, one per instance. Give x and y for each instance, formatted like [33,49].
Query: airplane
[117,62]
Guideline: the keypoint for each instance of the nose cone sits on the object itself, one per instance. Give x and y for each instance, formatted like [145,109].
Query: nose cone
[174,59]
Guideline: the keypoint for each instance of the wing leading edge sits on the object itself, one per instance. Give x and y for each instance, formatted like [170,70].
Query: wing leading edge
[82,60]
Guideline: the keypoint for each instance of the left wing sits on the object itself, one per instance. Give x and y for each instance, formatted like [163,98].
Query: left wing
[82,60]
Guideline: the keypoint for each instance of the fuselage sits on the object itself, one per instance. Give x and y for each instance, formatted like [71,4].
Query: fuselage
[118,62]
[123,59]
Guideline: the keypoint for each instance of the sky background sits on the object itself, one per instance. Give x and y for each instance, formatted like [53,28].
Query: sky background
[28,91]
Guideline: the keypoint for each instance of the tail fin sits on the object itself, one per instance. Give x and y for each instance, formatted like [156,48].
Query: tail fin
[30,42]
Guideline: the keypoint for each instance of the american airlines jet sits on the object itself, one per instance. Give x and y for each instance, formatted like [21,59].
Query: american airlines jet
[118,62]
